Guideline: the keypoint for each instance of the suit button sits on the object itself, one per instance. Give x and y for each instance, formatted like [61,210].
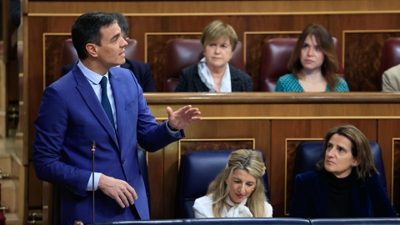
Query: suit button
[123,161]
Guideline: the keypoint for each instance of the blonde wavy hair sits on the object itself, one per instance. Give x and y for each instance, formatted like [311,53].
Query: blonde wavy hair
[251,162]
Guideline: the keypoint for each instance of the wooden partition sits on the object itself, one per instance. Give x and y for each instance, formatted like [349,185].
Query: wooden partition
[274,123]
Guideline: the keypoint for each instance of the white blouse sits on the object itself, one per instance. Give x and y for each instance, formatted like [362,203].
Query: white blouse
[203,208]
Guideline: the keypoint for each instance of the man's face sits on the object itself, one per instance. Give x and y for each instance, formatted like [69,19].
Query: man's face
[112,50]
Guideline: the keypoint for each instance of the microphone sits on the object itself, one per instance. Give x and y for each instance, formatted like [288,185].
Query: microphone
[93,149]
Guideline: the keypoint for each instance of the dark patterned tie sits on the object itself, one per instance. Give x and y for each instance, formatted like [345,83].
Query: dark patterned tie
[104,100]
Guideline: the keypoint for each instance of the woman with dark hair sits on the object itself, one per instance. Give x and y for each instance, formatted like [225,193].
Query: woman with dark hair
[346,182]
[313,63]
[238,191]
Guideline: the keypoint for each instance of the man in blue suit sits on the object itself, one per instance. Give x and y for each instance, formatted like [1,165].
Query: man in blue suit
[141,70]
[71,116]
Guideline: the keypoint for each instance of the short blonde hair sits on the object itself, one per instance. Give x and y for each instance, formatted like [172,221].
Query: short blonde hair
[217,29]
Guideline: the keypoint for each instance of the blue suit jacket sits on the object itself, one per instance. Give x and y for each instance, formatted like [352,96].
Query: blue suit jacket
[190,81]
[70,117]
[310,197]
[141,70]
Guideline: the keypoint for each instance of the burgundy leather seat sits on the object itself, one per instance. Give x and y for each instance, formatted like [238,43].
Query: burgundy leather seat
[390,56]
[182,53]
[276,54]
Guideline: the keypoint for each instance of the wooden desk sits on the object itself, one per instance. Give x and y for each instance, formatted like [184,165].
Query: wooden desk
[274,123]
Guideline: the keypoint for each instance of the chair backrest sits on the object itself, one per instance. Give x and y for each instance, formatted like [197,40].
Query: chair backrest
[276,53]
[390,56]
[197,170]
[310,152]
[69,55]
[181,53]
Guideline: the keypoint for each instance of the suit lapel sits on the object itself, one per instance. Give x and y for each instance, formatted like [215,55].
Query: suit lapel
[235,79]
[319,197]
[93,102]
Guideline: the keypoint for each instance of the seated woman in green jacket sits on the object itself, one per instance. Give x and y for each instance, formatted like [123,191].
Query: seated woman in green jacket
[314,64]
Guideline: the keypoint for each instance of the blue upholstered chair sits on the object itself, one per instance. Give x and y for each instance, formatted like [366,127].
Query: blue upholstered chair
[310,152]
[197,170]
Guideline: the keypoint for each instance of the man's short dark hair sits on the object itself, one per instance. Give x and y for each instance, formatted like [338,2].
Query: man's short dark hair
[122,22]
[86,29]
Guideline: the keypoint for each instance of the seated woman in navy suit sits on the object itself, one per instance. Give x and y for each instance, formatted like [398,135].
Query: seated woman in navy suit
[346,184]
[314,64]
[213,73]
[238,191]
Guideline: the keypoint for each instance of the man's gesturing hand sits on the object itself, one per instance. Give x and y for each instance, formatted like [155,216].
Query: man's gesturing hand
[182,117]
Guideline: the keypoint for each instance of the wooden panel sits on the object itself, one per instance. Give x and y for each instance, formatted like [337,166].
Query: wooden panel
[389,140]
[212,144]
[35,194]
[216,7]
[53,46]
[396,174]
[362,57]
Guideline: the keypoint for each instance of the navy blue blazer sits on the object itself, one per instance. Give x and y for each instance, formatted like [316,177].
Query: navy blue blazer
[70,117]
[310,197]
[190,81]
[141,70]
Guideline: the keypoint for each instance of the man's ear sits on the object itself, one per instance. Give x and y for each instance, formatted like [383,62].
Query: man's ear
[91,49]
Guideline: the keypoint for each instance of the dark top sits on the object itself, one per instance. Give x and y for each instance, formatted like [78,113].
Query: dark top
[339,204]
[141,71]
[190,81]
[311,197]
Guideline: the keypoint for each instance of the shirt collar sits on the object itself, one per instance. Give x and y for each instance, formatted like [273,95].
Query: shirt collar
[90,75]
